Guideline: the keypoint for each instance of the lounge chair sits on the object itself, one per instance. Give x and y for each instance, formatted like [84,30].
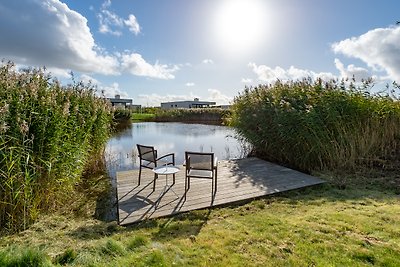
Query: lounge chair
[201,165]
[148,159]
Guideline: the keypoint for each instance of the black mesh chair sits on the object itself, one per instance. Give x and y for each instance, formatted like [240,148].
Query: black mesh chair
[148,159]
[201,165]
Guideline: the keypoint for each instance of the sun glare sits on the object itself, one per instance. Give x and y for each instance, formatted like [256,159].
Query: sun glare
[240,26]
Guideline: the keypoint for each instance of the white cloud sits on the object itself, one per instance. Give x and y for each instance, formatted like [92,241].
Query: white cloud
[60,39]
[105,26]
[59,73]
[88,79]
[48,33]
[352,71]
[218,97]
[154,100]
[190,84]
[270,75]
[111,23]
[109,20]
[136,65]
[106,4]
[379,48]
[246,80]
[112,90]
[208,61]
[132,24]
[104,90]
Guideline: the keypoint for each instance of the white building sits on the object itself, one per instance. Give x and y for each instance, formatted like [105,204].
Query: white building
[196,103]
[119,102]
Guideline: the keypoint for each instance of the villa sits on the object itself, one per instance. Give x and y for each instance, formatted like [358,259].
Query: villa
[196,103]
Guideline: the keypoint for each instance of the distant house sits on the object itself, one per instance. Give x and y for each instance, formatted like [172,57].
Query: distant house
[120,102]
[196,103]
[223,106]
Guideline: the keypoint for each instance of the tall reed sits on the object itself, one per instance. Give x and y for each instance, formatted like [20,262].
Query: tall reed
[47,134]
[313,125]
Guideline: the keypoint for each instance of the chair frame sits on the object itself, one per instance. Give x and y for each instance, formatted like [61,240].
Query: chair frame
[146,163]
[213,169]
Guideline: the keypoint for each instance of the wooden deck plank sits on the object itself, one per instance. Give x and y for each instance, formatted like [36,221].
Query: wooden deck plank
[237,180]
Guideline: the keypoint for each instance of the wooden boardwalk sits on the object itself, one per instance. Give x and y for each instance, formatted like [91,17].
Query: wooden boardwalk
[237,180]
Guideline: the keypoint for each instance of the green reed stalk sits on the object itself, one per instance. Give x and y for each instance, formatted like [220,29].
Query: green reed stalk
[313,125]
[47,132]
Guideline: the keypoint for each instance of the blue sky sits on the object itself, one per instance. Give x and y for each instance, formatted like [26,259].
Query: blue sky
[157,50]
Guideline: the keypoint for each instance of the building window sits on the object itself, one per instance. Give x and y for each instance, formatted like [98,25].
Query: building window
[172,106]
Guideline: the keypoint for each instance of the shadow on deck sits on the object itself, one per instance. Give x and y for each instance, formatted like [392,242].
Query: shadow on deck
[238,180]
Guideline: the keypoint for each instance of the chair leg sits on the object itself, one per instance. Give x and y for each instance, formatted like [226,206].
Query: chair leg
[140,174]
[154,182]
[184,194]
[216,175]
[173,178]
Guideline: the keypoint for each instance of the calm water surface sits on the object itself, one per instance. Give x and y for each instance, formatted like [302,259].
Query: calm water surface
[121,152]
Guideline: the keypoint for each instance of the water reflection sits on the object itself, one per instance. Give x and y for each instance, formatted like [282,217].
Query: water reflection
[121,151]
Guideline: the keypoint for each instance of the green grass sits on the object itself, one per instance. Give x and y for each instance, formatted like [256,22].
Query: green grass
[353,220]
[329,225]
[143,116]
[200,115]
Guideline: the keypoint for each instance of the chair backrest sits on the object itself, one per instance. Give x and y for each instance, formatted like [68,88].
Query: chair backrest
[199,160]
[147,153]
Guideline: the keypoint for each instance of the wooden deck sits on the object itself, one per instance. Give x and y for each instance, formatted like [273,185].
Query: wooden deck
[237,180]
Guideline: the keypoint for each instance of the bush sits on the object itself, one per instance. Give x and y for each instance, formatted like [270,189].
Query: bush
[122,115]
[213,115]
[67,257]
[312,125]
[29,257]
[47,134]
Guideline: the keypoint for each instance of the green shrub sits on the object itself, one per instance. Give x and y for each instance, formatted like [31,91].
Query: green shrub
[67,257]
[215,115]
[136,242]
[154,258]
[122,115]
[143,116]
[313,125]
[113,248]
[27,257]
[47,134]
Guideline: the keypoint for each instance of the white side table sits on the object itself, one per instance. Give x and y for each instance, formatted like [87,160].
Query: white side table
[166,170]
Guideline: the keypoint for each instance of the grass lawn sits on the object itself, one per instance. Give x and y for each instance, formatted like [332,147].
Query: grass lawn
[142,116]
[327,225]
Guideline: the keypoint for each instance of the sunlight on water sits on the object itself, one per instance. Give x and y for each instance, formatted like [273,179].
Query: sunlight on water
[121,152]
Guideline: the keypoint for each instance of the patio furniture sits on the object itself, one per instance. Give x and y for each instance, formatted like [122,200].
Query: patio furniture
[148,159]
[166,170]
[201,165]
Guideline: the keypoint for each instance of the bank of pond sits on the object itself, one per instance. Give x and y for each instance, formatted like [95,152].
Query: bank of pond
[52,136]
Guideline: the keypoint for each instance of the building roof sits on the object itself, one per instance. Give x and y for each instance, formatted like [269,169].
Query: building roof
[195,101]
[120,100]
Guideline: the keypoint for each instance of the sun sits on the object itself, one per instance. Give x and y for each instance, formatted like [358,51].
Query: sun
[239,26]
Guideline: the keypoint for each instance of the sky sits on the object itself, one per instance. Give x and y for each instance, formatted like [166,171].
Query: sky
[156,51]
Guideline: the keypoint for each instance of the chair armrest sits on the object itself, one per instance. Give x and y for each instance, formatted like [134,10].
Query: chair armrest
[168,155]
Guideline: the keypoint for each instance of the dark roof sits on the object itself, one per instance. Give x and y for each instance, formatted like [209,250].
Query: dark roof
[120,100]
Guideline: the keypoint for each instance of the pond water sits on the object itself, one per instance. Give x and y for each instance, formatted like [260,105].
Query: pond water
[121,151]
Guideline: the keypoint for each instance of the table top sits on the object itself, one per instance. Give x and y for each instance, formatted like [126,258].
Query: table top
[166,169]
